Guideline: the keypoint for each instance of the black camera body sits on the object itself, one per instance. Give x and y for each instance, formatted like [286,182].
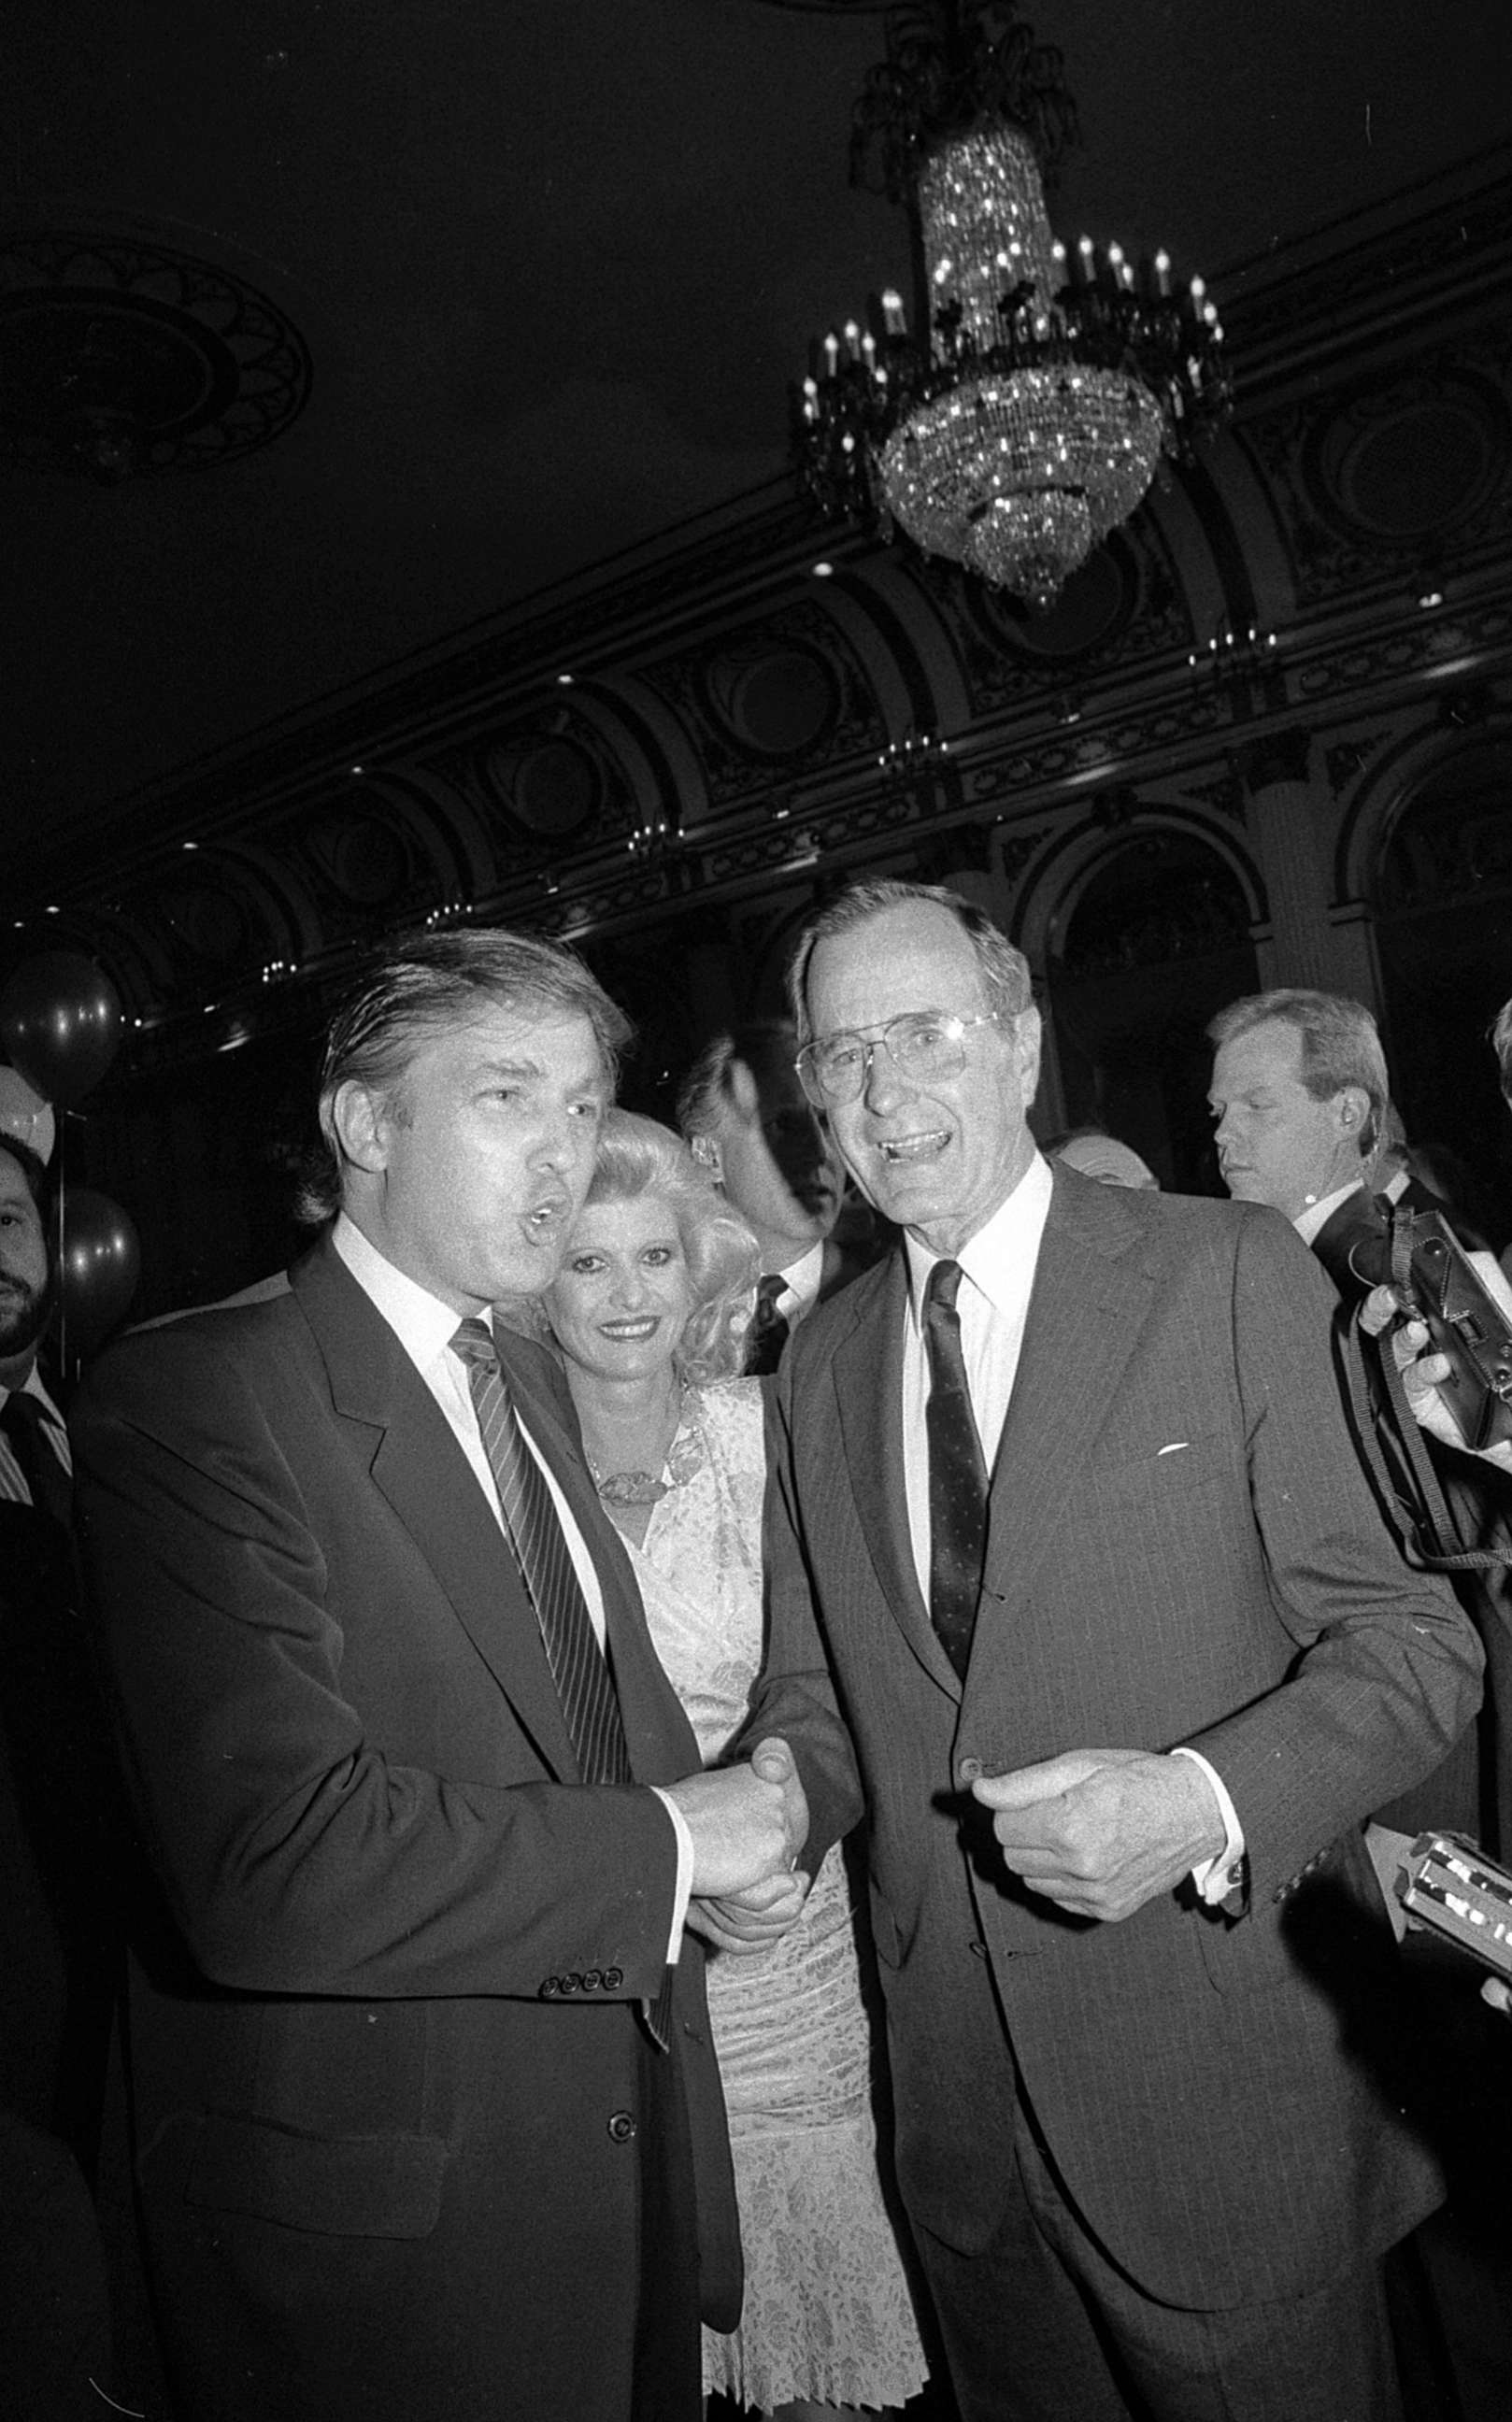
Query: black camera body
[1417,1254]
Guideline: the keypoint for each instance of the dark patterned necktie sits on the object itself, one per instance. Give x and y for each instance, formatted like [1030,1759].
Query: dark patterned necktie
[957,1474]
[768,1330]
[578,1668]
[24,1422]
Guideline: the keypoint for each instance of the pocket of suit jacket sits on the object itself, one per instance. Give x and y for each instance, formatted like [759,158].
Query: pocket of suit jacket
[386,2185]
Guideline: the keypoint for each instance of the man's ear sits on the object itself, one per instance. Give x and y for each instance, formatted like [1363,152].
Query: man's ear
[1351,1108]
[705,1151]
[361,1119]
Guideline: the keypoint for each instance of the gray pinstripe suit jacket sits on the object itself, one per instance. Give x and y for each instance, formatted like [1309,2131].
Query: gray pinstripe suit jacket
[1182,1549]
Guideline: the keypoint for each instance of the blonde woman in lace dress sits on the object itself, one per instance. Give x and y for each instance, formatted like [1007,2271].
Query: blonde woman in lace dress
[649,1312]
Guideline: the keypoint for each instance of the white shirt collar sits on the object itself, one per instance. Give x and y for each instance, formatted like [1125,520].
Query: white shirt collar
[1311,1222]
[1000,1258]
[802,1279]
[422,1323]
[32,1386]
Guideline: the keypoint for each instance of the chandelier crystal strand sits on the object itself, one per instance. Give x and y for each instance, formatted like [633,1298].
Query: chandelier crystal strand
[1033,421]
[982,206]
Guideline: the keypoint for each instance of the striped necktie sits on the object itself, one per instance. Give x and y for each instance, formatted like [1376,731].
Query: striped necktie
[584,1684]
[957,1474]
[24,1424]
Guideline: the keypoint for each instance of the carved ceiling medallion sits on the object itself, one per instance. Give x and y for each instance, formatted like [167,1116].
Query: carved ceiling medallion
[122,359]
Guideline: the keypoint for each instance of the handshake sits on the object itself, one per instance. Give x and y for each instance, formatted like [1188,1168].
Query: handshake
[748,1824]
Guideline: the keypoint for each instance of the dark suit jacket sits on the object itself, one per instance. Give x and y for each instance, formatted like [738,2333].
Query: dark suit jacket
[1472,1789]
[60,1959]
[1181,1550]
[404,2144]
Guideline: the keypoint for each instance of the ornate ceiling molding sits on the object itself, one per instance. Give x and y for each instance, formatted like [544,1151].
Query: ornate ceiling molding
[121,359]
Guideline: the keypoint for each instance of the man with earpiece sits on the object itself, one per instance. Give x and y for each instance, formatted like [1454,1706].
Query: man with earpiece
[1301,1099]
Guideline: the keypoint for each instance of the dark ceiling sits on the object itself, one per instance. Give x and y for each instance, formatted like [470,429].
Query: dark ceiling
[554,267]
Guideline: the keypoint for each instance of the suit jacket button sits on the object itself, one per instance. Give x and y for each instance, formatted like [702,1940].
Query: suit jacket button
[622,2126]
[550,1989]
[573,1984]
[592,1980]
[979,1949]
[613,1979]
[969,1769]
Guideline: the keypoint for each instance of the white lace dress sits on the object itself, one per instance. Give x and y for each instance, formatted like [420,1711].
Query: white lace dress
[828,2312]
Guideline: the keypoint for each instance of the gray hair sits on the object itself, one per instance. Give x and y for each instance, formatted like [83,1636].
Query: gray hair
[1340,1046]
[1004,969]
[439,983]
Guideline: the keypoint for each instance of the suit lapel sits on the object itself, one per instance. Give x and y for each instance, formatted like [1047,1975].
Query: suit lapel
[867,1368]
[419,1469]
[1091,1299]
[661,1741]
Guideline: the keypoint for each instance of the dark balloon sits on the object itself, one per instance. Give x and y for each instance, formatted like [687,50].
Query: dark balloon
[61,1020]
[101,1262]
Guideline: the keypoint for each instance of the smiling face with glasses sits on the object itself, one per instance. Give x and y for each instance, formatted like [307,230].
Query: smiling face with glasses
[925,1083]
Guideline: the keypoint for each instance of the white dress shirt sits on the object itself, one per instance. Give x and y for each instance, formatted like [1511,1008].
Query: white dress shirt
[802,1281]
[425,1326]
[999,1263]
[1311,1221]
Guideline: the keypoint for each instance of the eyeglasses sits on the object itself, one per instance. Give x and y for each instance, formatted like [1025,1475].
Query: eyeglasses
[923,1045]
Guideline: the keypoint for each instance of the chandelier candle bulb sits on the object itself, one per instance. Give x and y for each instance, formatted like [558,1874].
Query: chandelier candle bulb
[892,319]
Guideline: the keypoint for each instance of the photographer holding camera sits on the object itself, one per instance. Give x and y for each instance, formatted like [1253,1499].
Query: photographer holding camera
[1301,1097]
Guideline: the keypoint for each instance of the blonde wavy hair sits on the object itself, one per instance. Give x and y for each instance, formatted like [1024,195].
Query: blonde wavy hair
[639,1156]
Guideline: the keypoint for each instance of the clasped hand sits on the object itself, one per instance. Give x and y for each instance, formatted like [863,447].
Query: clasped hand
[748,1824]
[1102,1831]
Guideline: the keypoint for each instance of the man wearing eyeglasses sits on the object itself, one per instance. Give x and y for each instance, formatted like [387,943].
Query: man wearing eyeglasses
[1065,1518]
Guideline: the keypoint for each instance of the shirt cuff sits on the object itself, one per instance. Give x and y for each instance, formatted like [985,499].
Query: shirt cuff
[1217,1877]
[685,1875]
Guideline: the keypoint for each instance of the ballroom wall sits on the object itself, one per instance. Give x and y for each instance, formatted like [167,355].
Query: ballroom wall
[1264,737]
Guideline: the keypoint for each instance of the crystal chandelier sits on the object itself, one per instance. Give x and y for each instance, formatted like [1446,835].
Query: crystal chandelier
[1032,421]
